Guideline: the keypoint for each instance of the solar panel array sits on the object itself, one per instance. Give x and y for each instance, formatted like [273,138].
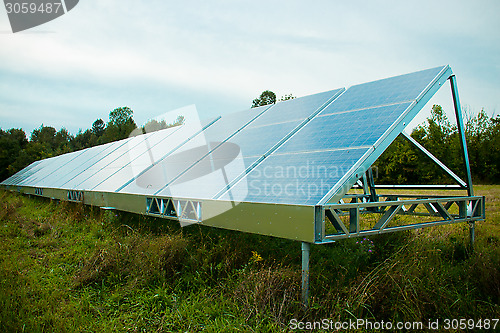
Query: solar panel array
[293,152]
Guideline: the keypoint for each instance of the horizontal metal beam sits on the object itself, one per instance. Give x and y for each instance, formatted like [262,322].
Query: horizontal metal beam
[362,233]
[419,187]
[470,209]
[346,206]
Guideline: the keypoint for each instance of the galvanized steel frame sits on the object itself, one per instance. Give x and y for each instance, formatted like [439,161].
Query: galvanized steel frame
[469,209]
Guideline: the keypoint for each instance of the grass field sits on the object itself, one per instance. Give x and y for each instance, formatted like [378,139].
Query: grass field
[69,268]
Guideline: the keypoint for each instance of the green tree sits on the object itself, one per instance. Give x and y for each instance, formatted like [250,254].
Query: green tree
[267,97]
[120,116]
[155,125]
[98,127]
[62,141]
[120,125]
[402,163]
[12,142]
[483,139]
[84,140]
[33,151]
[55,142]
[44,135]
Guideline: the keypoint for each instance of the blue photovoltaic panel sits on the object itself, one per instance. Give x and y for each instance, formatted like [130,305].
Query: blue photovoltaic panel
[90,177]
[159,175]
[296,152]
[27,175]
[338,130]
[387,91]
[299,179]
[132,179]
[23,174]
[227,162]
[333,141]
[325,134]
[82,163]
[144,155]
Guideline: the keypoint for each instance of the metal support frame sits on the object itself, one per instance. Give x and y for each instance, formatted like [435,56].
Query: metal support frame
[371,185]
[186,211]
[437,209]
[434,159]
[75,195]
[463,144]
[306,249]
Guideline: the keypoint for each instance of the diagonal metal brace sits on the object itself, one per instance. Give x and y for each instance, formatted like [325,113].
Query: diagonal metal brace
[388,215]
[434,159]
[442,211]
[336,221]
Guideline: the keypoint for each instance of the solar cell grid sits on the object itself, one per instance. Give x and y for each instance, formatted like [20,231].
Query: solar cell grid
[252,142]
[293,152]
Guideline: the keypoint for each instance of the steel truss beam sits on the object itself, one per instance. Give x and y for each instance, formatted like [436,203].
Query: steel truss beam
[74,195]
[470,209]
[186,211]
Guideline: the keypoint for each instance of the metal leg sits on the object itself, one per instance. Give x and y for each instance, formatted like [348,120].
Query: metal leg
[306,249]
[461,133]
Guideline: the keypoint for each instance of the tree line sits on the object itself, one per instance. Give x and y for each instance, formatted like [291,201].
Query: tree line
[401,163]
[17,151]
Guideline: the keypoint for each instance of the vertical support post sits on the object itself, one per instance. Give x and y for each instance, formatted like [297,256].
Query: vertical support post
[319,223]
[354,220]
[463,144]
[371,186]
[306,249]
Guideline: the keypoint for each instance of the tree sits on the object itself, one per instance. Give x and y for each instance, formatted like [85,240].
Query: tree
[84,140]
[34,151]
[98,127]
[120,125]
[267,97]
[155,125]
[55,142]
[399,163]
[44,135]
[120,116]
[62,141]
[12,142]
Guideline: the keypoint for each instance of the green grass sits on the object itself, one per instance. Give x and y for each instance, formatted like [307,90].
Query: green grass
[69,268]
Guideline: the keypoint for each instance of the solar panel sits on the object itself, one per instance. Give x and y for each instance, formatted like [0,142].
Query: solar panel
[179,159]
[94,174]
[23,174]
[41,176]
[271,170]
[315,145]
[333,141]
[226,162]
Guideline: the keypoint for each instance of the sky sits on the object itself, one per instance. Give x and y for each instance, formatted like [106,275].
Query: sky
[158,56]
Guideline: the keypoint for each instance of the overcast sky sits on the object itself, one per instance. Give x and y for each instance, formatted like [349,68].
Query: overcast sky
[155,56]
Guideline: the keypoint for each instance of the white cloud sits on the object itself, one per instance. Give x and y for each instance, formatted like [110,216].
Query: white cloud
[166,54]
